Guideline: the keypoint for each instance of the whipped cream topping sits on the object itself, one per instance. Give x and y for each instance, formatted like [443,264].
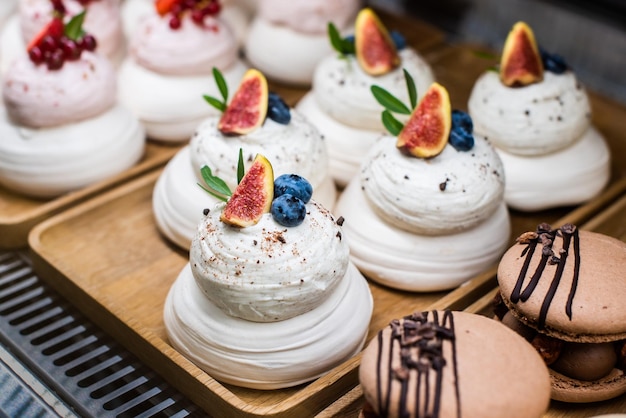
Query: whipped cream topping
[530,120]
[268,355]
[413,262]
[309,16]
[47,162]
[342,88]
[190,50]
[566,177]
[294,148]
[451,192]
[37,97]
[268,272]
[102,20]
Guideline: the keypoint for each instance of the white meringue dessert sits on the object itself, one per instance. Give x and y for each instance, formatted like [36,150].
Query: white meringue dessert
[167,72]
[287,38]
[291,291]
[63,129]
[426,224]
[178,201]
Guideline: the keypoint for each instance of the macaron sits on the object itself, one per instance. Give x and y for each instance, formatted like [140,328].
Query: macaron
[443,364]
[564,289]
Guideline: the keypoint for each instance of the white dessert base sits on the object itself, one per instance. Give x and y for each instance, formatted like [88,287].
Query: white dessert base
[48,162]
[347,146]
[283,54]
[268,355]
[567,177]
[171,107]
[402,260]
[178,201]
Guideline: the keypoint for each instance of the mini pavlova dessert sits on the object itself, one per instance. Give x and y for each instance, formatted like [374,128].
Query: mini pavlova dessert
[287,38]
[563,289]
[341,105]
[256,121]
[102,20]
[269,298]
[425,196]
[537,115]
[61,126]
[171,57]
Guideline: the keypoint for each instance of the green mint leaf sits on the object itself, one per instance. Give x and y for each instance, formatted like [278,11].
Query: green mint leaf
[348,46]
[74,28]
[393,125]
[335,38]
[410,85]
[240,168]
[215,184]
[389,101]
[217,196]
[218,104]
[221,84]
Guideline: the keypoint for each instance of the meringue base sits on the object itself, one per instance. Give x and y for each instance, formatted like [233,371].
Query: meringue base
[171,112]
[406,261]
[347,146]
[178,201]
[269,355]
[283,54]
[570,176]
[48,162]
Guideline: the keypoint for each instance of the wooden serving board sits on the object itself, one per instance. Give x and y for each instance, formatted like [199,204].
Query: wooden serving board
[18,214]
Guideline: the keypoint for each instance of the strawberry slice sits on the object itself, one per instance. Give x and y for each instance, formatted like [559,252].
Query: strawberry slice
[164,6]
[54,28]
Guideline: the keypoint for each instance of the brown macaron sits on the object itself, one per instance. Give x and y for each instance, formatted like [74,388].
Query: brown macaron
[569,288]
[444,364]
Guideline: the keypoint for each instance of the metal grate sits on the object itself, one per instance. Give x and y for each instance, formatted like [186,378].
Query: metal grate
[76,362]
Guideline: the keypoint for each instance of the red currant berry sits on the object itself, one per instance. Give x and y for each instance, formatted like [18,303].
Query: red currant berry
[213,8]
[197,16]
[57,6]
[175,22]
[70,48]
[88,43]
[48,43]
[36,55]
[56,60]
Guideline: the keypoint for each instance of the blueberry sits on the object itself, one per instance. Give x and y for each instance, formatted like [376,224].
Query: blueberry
[553,62]
[294,185]
[349,38]
[288,210]
[398,39]
[277,109]
[461,131]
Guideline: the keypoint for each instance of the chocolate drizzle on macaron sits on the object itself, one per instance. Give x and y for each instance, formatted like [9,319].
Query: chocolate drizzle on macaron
[420,343]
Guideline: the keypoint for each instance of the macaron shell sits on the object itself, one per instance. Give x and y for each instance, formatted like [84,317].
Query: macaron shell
[598,309]
[567,389]
[496,368]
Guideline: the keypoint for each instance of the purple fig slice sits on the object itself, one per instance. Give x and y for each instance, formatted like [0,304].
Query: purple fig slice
[253,195]
[520,64]
[426,133]
[374,48]
[248,107]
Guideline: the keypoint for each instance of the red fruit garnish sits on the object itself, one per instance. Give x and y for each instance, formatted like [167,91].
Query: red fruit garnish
[163,7]
[54,28]
[197,10]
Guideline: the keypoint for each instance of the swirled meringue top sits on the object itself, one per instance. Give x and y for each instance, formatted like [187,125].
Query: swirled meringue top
[530,120]
[268,272]
[342,89]
[190,50]
[309,16]
[37,97]
[102,20]
[296,147]
[451,192]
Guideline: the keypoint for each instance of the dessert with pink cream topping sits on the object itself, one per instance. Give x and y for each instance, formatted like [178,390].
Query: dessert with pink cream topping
[171,57]
[287,38]
[61,126]
[294,145]
[341,104]
[103,21]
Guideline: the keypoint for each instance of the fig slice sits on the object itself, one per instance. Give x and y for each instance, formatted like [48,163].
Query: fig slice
[374,48]
[253,195]
[248,107]
[520,64]
[426,132]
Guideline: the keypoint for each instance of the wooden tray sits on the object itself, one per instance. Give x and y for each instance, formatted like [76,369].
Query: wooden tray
[18,214]
[477,297]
